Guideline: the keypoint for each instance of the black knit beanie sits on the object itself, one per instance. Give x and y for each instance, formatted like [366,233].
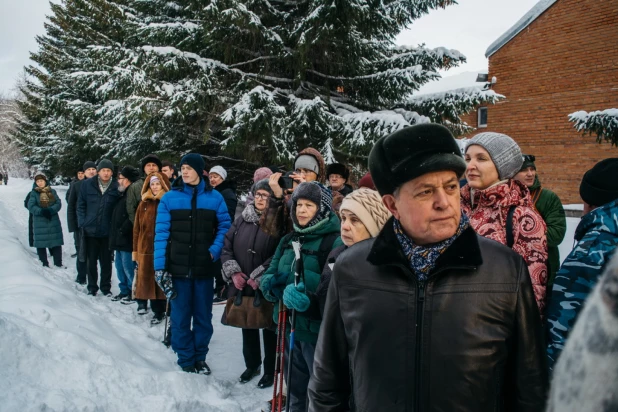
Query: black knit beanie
[105,164]
[528,162]
[600,184]
[412,152]
[88,165]
[195,161]
[130,173]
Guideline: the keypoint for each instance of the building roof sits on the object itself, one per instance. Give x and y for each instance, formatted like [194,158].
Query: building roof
[524,22]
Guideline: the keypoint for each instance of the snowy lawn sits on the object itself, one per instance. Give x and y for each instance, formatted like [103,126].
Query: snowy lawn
[61,350]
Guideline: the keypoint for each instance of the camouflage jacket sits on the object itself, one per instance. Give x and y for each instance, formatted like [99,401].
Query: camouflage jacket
[597,237]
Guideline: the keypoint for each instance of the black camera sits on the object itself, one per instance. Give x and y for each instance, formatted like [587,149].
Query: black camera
[286,182]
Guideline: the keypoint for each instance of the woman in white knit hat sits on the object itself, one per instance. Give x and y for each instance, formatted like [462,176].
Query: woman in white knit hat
[362,215]
[500,207]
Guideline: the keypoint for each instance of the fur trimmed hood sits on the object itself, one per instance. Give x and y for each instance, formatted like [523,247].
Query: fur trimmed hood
[165,186]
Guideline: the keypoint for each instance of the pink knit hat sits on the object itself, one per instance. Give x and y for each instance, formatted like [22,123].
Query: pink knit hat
[261,173]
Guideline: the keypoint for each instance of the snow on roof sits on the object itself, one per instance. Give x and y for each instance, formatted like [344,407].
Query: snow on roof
[524,22]
[456,81]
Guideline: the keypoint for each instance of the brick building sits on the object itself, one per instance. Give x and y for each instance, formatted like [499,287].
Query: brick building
[561,57]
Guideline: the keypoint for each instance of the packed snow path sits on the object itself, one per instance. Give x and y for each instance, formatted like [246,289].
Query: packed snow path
[62,350]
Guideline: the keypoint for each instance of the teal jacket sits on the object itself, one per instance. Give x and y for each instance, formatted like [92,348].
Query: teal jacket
[281,272]
[47,232]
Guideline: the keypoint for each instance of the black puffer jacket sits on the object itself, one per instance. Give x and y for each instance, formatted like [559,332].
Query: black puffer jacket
[468,339]
[73,193]
[121,230]
[247,249]
[227,188]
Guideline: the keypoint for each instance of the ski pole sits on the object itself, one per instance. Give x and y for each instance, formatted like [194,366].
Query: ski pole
[167,308]
[278,368]
[280,396]
[297,273]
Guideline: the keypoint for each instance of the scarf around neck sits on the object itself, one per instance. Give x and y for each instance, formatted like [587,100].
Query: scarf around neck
[104,186]
[422,259]
[46,197]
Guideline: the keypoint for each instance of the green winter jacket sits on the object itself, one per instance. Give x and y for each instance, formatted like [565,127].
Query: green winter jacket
[134,196]
[549,206]
[281,272]
[47,232]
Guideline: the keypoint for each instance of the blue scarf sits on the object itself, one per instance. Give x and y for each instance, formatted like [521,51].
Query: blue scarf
[422,259]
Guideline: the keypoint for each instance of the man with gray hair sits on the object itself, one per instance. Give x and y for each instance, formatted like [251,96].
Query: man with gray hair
[428,316]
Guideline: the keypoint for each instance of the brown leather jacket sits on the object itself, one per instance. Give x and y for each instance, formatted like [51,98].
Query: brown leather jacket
[468,339]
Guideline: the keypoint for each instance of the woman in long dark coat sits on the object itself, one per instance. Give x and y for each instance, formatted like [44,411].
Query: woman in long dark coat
[44,205]
[246,255]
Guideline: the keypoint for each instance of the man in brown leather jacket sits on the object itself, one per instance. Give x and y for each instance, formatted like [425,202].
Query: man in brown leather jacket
[428,316]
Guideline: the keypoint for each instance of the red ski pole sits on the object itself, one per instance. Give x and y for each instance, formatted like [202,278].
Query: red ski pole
[280,397]
[278,356]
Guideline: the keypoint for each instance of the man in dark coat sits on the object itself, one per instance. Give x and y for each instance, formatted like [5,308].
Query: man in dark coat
[90,170]
[337,175]
[95,205]
[428,316]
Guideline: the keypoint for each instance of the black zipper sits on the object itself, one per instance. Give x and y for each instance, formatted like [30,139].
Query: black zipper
[193,218]
[420,304]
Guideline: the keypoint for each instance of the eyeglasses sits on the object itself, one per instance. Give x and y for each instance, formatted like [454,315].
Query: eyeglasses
[261,196]
[529,158]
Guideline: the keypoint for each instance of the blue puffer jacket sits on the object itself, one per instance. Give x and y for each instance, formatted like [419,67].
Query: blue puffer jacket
[47,232]
[191,225]
[597,238]
[94,209]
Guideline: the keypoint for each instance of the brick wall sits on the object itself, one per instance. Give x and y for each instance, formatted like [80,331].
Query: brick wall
[565,61]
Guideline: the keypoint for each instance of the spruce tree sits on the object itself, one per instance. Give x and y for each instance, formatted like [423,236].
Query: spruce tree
[603,123]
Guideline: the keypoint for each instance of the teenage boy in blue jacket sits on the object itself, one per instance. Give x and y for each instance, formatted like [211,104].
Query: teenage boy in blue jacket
[192,220]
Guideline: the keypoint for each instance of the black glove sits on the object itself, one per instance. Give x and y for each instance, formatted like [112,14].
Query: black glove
[46,213]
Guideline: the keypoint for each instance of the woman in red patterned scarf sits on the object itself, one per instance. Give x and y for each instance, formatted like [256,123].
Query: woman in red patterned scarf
[500,208]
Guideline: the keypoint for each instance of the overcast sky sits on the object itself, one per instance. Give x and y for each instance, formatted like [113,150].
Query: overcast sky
[470,27]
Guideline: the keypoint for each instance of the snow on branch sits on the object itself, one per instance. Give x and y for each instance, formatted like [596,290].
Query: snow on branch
[603,123]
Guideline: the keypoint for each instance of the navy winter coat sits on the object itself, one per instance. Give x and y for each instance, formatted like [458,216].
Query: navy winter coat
[47,232]
[191,225]
[94,209]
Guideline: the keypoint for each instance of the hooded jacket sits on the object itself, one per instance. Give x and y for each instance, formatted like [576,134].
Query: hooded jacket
[488,215]
[47,232]
[597,238]
[190,227]
[143,239]
[549,206]
[247,249]
[310,151]
[94,209]
[467,339]
[282,269]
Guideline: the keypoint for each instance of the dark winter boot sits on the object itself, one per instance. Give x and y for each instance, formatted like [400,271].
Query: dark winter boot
[158,318]
[189,369]
[127,300]
[119,297]
[142,307]
[249,374]
[202,368]
[266,381]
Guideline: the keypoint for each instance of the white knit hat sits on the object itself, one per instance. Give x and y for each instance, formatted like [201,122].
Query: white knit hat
[220,171]
[367,205]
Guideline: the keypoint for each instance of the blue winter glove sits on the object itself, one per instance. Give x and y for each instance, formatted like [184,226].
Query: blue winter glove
[164,280]
[294,297]
[272,287]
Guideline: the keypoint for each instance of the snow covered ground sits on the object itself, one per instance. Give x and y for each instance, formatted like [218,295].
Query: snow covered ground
[61,350]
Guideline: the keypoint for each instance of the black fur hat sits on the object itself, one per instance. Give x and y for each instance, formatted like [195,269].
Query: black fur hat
[337,169]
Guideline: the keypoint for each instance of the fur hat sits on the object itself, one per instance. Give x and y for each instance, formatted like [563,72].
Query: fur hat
[316,193]
[337,169]
[412,152]
[151,158]
[503,150]
[130,173]
[195,161]
[89,164]
[220,171]
[528,162]
[599,184]
[367,205]
[367,181]
[261,173]
[105,164]
[262,185]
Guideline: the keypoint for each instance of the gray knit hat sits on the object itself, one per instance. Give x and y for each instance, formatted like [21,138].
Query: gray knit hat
[504,152]
[262,185]
[105,164]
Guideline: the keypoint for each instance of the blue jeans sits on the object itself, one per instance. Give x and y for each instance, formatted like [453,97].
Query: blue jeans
[193,300]
[125,269]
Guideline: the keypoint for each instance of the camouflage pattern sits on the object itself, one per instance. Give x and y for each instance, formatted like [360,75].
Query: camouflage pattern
[597,238]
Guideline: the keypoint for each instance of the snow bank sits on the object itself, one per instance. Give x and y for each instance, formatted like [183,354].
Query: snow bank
[61,350]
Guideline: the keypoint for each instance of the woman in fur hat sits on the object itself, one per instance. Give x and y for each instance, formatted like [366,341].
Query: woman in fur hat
[246,256]
[316,226]
[144,286]
[492,197]
[44,205]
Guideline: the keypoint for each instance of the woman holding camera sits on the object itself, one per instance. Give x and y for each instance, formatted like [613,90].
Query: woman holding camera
[246,256]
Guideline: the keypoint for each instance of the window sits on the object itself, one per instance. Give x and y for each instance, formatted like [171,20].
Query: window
[481,120]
